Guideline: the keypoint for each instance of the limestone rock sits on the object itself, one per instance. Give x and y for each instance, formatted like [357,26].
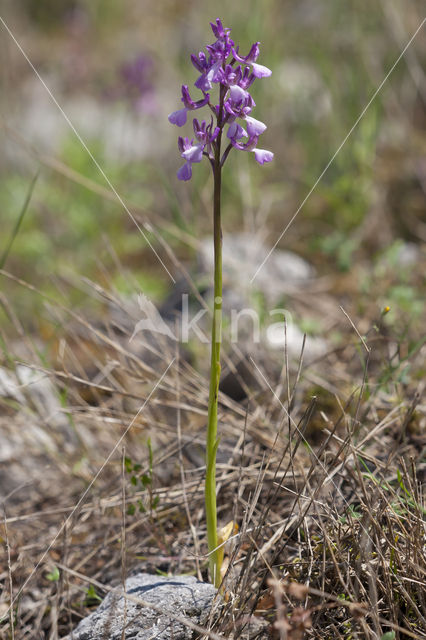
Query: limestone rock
[180,596]
[243,254]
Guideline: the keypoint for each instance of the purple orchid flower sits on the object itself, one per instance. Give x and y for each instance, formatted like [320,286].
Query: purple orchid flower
[218,30]
[254,129]
[222,65]
[258,69]
[179,117]
[206,134]
[191,153]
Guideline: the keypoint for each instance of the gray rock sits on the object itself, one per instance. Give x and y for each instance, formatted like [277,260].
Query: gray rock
[43,396]
[243,254]
[277,338]
[408,254]
[180,597]
[9,386]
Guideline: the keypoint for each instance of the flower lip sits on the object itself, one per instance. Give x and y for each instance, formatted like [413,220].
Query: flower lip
[260,71]
[263,155]
[178,117]
[255,127]
[185,172]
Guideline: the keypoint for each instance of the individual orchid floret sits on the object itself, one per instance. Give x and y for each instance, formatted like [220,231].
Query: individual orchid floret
[200,62]
[205,134]
[247,79]
[259,71]
[218,29]
[252,56]
[261,155]
[191,153]
[229,76]
[220,50]
[239,108]
[236,132]
[189,102]
[250,145]
[179,117]
[204,82]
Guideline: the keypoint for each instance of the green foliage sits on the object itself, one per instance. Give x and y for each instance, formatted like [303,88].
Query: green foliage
[53,575]
[142,481]
[340,246]
[352,513]
[92,598]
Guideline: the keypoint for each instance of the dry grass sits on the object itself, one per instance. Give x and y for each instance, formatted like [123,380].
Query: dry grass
[326,489]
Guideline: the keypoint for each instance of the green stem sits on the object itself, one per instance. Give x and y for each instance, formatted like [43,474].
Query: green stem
[212,440]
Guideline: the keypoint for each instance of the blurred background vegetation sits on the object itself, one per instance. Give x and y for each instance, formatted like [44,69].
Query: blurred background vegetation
[115,68]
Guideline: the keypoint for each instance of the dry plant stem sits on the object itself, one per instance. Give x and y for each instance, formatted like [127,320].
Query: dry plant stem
[212,440]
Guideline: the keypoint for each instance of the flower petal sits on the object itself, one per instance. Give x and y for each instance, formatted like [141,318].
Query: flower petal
[178,117]
[255,127]
[259,71]
[237,94]
[235,131]
[185,172]
[194,154]
[262,155]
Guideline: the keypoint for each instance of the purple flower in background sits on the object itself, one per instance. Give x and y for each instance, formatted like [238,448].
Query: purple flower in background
[222,65]
[135,83]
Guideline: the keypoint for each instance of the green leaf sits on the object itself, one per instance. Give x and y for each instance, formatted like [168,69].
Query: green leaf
[151,455]
[54,575]
[146,480]
[131,510]
[91,596]
[389,635]
[134,480]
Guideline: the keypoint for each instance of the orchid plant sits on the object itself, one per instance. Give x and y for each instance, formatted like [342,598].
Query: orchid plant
[233,75]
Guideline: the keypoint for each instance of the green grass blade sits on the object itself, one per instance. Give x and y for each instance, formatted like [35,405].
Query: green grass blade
[18,222]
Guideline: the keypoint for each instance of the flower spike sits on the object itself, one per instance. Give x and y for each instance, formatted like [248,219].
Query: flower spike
[224,66]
